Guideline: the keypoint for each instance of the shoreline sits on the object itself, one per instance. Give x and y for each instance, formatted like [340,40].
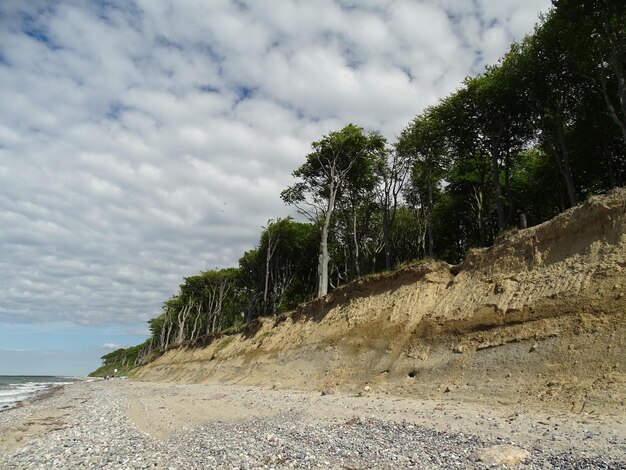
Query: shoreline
[131,424]
[39,394]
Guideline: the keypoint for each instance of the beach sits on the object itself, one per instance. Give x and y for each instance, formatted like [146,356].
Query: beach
[15,389]
[125,424]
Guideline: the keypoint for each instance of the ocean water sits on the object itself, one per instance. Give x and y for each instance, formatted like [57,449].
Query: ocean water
[17,388]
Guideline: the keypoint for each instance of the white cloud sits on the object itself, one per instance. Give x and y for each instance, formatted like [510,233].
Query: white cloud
[111,346]
[142,142]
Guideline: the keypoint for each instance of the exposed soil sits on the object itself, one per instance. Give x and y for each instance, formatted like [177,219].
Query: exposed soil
[537,320]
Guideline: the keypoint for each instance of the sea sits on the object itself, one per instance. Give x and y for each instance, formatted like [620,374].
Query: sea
[17,388]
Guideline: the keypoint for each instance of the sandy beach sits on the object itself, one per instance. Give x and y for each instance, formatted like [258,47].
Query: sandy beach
[119,424]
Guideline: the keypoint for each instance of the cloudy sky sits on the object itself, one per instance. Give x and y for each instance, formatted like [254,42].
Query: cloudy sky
[144,141]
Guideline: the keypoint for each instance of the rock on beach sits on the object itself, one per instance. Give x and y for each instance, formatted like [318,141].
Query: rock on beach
[137,425]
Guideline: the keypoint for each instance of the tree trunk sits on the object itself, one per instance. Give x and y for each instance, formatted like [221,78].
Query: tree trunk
[386,238]
[267,280]
[162,335]
[355,239]
[429,215]
[495,181]
[562,160]
[618,71]
[479,208]
[271,248]
[169,332]
[323,258]
[195,322]
[622,97]
[610,166]
[182,321]
[523,223]
[507,188]
[322,262]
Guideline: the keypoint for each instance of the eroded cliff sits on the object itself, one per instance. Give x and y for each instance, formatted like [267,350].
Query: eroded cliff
[541,315]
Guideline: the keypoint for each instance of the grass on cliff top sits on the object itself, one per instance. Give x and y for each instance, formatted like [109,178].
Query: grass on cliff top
[383,274]
[109,369]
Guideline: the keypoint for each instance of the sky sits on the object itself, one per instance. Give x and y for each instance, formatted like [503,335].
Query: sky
[144,141]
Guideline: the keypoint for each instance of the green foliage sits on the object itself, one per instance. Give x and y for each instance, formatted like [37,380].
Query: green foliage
[123,359]
[342,161]
[531,135]
[338,175]
[280,272]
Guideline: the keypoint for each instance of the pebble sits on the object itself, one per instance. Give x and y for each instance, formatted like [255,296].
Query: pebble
[98,435]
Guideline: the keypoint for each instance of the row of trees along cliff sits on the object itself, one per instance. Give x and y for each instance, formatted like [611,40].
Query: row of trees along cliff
[526,139]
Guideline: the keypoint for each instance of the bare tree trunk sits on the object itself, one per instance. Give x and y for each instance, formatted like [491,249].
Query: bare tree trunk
[210,310]
[282,282]
[220,294]
[322,267]
[479,210]
[169,331]
[357,263]
[162,336]
[386,238]
[272,243]
[195,322]
[217,315]
[322,262]
[182,321]
[268,258]
[393,182]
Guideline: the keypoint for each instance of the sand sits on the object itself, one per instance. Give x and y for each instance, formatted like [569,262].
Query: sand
[58,429]
[163,409]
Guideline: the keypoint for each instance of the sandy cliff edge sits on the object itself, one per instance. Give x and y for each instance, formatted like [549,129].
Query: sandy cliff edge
[540,317]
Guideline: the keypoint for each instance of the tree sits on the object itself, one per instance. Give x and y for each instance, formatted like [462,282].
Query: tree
[284,242]
[595,32]
[553,90]
[503,127]
[470,181]
[336,159]
[251,279]
[406,236]
[422,143]
[278,273]
[392,169]
[354,211]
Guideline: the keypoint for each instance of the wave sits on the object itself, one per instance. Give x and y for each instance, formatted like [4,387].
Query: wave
[12,394]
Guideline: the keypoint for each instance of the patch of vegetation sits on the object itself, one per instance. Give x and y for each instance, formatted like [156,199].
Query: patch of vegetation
[123,359]
[460,175]
[109,370]
[224,342]
[266,334]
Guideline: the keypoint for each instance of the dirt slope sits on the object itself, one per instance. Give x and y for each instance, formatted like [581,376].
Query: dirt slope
[539,317]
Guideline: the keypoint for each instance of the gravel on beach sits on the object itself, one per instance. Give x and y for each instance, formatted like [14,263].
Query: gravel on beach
[85,425]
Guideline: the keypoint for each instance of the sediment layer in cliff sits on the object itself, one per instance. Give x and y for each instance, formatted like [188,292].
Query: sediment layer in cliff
[541,315]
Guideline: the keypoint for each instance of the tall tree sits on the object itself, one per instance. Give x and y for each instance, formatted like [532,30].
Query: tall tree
[553,90]
[354,211]
[595,32]
[392,169]
[336,159]
[503,127]
[423,143]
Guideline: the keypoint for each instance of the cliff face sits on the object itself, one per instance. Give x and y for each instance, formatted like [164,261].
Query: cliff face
[539,316]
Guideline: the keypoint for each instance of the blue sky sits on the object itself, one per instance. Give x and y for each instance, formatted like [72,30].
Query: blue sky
[61,348]
[143,141]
